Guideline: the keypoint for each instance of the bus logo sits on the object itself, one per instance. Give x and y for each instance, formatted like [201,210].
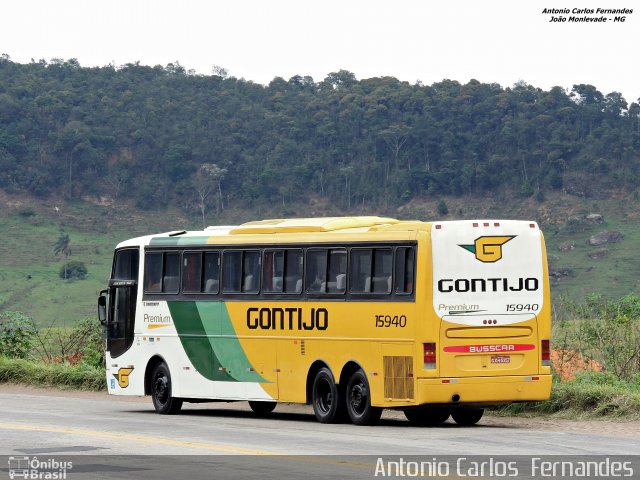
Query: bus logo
[123,376]
[18,467]
[488,249]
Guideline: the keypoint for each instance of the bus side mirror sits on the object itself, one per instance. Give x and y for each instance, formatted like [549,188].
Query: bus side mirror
[102,307]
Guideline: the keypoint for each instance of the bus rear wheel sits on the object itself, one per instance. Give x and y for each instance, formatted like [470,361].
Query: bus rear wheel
[327,401]
[427,416]
[262,408]
[359,401]
[467,416]
[163,402]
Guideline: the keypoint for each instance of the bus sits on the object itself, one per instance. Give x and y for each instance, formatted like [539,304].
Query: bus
[349,314]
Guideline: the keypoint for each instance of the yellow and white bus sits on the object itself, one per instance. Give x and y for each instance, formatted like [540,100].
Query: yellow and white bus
[349,314]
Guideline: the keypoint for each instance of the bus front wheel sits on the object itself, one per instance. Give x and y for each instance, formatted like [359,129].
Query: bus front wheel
[359,401]
[325,397]
[262,408]
[467,417]
[163,402]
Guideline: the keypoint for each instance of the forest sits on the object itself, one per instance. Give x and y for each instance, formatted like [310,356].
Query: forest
[155,136]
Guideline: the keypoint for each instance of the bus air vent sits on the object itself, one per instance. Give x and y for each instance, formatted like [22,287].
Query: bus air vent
[398,377]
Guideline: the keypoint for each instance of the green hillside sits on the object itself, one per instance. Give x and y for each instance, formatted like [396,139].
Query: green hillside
[30,281]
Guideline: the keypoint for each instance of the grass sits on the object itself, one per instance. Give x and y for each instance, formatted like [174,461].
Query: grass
[591,395]
[29,372]
[29,277]
[613,275]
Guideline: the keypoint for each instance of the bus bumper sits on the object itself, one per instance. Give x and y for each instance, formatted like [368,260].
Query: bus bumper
[517,388]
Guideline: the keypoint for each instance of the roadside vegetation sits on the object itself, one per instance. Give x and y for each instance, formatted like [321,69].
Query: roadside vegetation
[596,358]
[61,357]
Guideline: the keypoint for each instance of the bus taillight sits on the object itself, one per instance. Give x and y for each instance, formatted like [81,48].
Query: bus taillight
[545,347]
[429,356]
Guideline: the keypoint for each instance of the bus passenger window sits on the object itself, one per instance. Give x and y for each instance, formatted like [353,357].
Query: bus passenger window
[231,272]
[404,272]
[293,271]
[192,272]
[211,273]
[316,276]
[273,271]
[153,272]
[360,275]
[251,272]
[382,266]
[371,270]
[170,281]
[337,276]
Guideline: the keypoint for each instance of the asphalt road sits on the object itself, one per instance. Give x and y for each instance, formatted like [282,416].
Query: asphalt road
[52,423]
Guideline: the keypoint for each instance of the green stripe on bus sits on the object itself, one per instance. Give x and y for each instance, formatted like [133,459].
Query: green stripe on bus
[175,241]
[195,342]
[210,341]
[226,344]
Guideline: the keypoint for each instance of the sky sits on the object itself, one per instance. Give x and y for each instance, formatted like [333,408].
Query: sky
[501,41]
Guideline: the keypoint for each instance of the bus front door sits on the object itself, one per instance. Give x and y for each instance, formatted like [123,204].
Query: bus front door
[118,314]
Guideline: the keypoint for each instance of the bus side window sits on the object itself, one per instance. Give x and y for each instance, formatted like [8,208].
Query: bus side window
[231,271]
[211,272]
[382,269]
[293,271]
[153,272]
[337,271]
[251,272]
[273,271]
[404,271]
[170,281]
[192,272]
[371,270]
[316,275]
[360,275]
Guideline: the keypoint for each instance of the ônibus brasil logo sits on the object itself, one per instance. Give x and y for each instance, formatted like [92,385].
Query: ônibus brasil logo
[488,249]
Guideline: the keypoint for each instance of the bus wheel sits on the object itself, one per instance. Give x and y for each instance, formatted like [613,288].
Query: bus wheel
[467,416]
[427,416]
[262,408]
[325,397]
[359,401]
[163,402]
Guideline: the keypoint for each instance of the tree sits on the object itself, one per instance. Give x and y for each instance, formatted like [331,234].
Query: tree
[73,270]
[443,210]
[61,247]
[347,171]
[208,176]
[395,137]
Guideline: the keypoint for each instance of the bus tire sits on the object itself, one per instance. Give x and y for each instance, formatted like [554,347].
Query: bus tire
[467,416]
[327,401]
[358,401]
[160,383]
[426,416]
[262,408]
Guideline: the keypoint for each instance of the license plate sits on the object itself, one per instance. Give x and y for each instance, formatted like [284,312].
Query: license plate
[500,359]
